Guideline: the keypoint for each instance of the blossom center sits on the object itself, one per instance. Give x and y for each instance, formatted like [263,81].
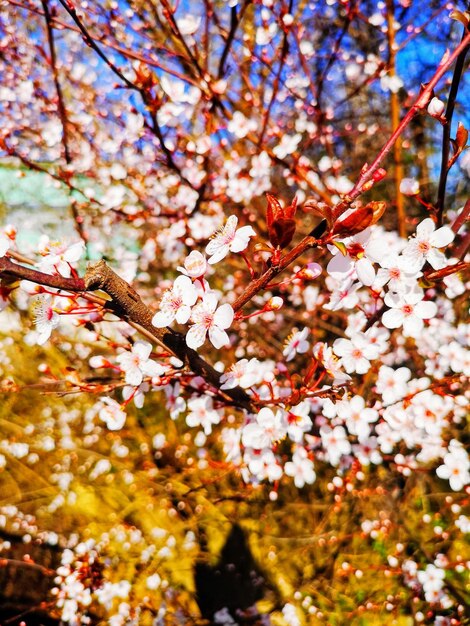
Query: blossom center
[207,320]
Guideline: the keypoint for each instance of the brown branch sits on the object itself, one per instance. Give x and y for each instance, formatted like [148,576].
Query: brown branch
[11,270]
[235,19]
[127,304]
[395,118]
[55,74]
[263,281]
[62,114]
[462,217]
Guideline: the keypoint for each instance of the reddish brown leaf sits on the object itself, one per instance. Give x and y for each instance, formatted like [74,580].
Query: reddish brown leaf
[281,232]
[274,209]
[355,222]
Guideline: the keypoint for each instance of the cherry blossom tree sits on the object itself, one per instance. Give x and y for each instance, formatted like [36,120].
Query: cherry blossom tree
[251,311]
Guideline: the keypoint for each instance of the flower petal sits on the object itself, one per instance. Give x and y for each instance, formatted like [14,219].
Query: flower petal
[163,318]
[196,336]
[218,251]
[365,271]
[425,310]
[442,237]
[183,314]
[392,318]
[223,317]
[142,349]
[218,337]
[241,239]
[425,228]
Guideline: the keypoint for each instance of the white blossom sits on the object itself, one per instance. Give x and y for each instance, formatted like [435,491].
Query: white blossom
[228,239]
[207,318]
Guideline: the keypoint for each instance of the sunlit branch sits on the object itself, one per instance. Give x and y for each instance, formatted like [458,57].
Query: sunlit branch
[420,104]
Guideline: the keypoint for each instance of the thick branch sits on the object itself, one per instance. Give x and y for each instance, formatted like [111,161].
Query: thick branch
[126,304]
[11,270]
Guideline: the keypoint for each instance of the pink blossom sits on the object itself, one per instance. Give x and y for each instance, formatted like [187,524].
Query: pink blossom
[112,414]
[244,373]
[456,466]
[436,107]
[5,243]
[202,413]
[424,246]
[357,417]
[296,344]
[240,126]
[136,393]
[356,353]
[207,318]
[176,303]
[267,428]
[298,421]
[262,464]
[59,255]
[409,187]
[408,309]
[355,260]
[395,270]
[330,362]
[195,265]
[335,443]
[45,318]
[300,468]
[136,363]
[392,384]
[229,239]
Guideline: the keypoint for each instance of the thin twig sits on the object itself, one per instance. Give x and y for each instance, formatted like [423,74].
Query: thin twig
[92,43]
[277,78]
[420,103]
[454,88]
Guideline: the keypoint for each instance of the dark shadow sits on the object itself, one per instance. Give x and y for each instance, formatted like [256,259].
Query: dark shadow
[235,583]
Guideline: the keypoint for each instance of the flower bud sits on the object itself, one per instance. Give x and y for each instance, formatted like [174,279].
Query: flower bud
[310,272]
[274,303]
[409,187]
[436,107]
[195,264]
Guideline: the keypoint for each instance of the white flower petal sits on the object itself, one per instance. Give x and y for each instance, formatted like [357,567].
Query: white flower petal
[196,336]
[436,259]
[392,318]
[442,237]
[425,310]
[183,314]
[223,317]
[412,326]
[425,228]
[241,239]
[217,250]
[218,337]
[365,271]
[142,349]
[163,318]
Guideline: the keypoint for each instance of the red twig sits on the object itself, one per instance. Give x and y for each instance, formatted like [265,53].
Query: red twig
[420,103]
